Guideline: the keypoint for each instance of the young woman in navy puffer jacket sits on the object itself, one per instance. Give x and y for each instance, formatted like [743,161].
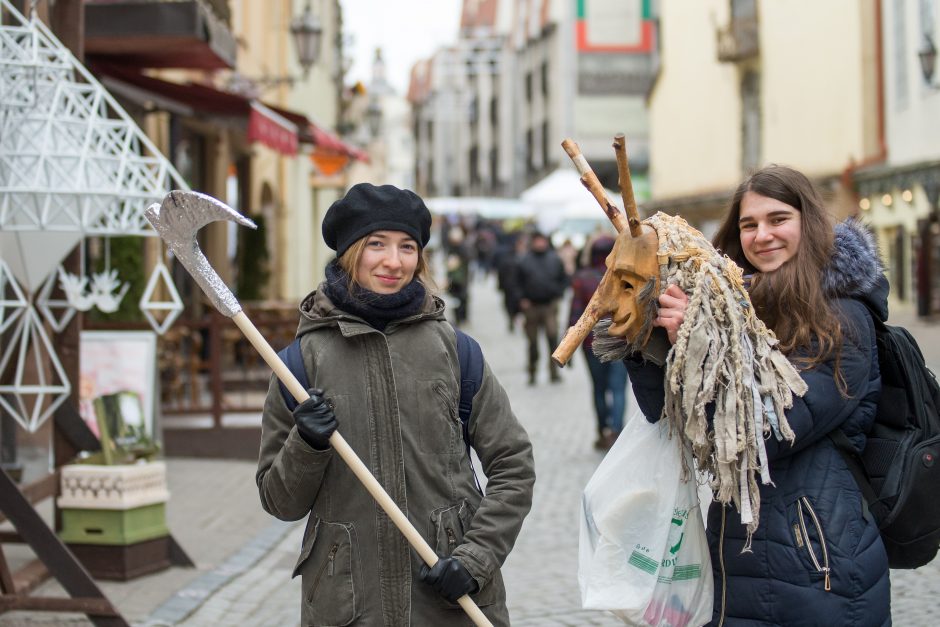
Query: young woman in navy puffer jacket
[817,557]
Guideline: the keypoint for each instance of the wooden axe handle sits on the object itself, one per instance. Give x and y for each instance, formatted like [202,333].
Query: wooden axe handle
[593,185]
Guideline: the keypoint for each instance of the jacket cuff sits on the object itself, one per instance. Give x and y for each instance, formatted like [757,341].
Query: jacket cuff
[477,562]
[296,441]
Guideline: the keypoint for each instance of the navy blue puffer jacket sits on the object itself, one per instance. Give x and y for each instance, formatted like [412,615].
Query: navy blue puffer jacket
[817,558]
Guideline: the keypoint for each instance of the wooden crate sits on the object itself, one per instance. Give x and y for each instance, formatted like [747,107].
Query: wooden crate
[113,526]
[120,563]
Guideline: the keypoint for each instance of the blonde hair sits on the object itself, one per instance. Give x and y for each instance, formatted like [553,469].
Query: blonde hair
[349,262]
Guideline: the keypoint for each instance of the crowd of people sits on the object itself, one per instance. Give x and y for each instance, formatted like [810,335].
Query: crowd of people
[534,278]
[382,359]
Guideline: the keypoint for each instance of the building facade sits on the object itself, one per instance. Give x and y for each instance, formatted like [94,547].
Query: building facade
[899,196]
[745,83]
[491,111]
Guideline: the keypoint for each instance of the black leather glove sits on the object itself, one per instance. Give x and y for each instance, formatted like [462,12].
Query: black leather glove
[449,578]
[315,420]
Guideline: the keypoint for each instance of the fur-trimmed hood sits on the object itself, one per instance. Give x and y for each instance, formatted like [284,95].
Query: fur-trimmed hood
[855,270]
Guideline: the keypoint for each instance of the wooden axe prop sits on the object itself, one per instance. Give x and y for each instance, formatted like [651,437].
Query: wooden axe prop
[601,302]
[177,220]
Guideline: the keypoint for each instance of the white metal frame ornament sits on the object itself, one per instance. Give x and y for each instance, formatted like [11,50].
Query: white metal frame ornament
[71,159]
[10,309]
[172,307]
[31,378]
[48,305]
[73,163]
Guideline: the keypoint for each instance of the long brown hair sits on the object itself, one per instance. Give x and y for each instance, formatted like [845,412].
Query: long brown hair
[790,300]
[349,262]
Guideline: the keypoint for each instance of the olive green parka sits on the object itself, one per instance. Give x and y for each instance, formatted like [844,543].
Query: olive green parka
[395,397]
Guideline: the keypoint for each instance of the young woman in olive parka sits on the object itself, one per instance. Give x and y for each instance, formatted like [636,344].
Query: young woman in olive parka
[382,362]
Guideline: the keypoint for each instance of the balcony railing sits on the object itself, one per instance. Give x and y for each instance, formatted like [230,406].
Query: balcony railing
[738,41]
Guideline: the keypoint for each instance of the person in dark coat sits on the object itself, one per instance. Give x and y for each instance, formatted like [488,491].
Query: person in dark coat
[542,281]
[507,264]
[608,378]
[816,558]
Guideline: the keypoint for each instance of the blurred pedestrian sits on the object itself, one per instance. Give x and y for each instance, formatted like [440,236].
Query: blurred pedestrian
[542,281]
[569,256]
[608,379]
[457,264]
[507,270]
[382,360]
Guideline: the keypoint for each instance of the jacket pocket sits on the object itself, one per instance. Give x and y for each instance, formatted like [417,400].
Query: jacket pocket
[448,525]
[810,540]
[440,426]
[331,577]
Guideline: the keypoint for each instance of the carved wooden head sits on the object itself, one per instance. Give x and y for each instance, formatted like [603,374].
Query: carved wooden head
[633,280]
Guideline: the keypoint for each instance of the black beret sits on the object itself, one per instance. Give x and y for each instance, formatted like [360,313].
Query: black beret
[366,208]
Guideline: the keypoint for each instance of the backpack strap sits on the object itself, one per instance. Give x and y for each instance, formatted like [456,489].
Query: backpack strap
[294,360]
[854,461]
[470,358]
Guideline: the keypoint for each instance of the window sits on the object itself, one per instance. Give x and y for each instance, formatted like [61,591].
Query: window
[494,168]
[545,146]
[750,121]
[545,78]
[529,156]
[528,87]
[474,158]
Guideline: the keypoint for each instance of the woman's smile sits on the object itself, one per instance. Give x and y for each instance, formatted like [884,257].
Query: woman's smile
[388,262]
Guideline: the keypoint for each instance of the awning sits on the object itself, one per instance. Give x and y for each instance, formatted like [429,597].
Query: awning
[272,130]
[330,153]
[265,125]
[180,34]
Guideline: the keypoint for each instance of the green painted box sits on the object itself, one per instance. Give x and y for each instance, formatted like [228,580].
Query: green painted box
[113,526]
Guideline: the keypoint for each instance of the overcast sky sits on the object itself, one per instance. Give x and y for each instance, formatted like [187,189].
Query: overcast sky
[406,30]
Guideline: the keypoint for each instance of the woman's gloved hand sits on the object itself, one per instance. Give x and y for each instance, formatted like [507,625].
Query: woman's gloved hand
[449,578]
[315,420]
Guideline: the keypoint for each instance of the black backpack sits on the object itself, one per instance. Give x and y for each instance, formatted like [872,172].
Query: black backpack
[469,355]
[898,471]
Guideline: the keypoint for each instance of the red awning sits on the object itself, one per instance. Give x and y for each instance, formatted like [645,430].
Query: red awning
[264,124]
[272,130]
[323,140]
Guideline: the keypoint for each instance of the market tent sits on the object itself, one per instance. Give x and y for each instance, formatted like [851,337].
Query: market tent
[483,206]
[560,199]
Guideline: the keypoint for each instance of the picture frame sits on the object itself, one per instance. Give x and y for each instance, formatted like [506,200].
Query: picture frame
[118,388]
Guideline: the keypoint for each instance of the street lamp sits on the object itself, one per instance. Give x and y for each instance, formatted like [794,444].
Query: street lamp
[307,32]
[928,60]
[374,117]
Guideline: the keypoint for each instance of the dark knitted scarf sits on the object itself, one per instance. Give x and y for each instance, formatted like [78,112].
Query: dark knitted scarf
[376,309]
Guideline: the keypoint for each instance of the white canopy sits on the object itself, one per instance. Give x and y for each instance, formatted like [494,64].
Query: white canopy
[483,206]
[560,196]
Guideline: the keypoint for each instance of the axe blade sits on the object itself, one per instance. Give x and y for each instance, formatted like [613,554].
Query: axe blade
[177,220]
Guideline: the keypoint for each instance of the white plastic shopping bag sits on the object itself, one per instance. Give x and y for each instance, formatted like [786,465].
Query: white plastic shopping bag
[643,553]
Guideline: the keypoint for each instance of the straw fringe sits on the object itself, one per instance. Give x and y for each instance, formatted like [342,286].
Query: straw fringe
[725,356]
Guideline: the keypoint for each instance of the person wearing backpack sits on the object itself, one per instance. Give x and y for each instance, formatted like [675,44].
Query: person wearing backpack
[382,363]
[816,557]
